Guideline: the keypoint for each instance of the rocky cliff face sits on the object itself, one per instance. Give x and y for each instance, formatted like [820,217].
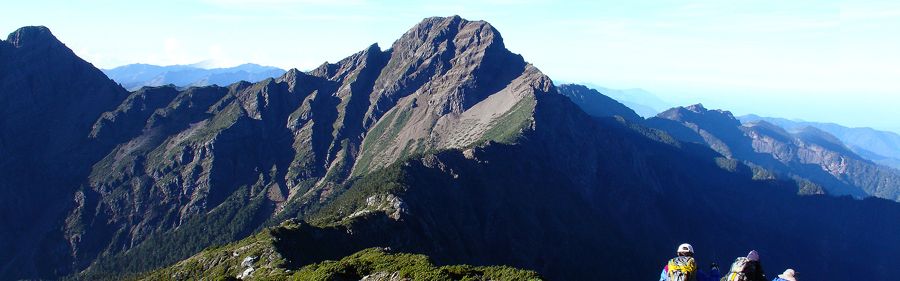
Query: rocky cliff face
[467,89]
[809,155]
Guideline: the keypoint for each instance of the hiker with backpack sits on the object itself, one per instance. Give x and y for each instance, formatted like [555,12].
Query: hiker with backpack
[682,267]
[746,269]
[788,275]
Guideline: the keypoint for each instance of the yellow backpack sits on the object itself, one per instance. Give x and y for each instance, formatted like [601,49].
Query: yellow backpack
[738,270]
[682,269]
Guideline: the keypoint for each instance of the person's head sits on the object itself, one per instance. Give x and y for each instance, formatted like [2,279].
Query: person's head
[753,256]
[685,250]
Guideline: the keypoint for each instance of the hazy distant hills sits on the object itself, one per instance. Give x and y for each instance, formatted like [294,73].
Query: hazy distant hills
[445,144]
[595,103]
[644,103]
[882,147]
[135,76]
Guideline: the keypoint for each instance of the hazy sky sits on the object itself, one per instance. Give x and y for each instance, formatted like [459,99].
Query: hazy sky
[835,61]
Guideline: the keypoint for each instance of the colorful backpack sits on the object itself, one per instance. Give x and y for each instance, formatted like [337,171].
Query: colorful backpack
[738,270]
[682,269]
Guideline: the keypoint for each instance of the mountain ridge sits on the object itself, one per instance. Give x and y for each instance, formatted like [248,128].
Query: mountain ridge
[878,146]
[806,155]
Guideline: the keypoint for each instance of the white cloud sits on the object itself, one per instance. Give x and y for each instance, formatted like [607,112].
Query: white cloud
[174,52]
[219,57]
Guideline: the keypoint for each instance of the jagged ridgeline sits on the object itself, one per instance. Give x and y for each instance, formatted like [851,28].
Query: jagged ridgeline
[446,144]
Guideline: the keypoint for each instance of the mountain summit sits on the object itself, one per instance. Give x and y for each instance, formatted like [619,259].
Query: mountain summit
[32,37]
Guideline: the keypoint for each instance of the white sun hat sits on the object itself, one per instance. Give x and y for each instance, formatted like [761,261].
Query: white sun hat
[789,275]
[685,248]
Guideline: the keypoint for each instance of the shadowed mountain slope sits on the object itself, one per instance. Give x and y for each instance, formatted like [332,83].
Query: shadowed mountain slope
[48,100]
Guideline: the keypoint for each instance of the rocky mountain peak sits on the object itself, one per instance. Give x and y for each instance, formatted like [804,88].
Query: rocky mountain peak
[697,113]
[698,108]
[438,30]
[32,36]
[452,38]
[339,70]
[290,74]
[444,83]
[291,77]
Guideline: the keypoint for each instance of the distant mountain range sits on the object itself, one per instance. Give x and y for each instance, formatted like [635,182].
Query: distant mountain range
[135,76]
[883,147]
[816,160]
[644,103]
[596,104]
[445,144]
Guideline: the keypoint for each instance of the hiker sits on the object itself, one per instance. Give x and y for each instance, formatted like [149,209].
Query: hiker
[746,269]
[788,275]
[682,267]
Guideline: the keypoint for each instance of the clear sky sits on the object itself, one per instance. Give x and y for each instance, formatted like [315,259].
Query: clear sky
[836,61]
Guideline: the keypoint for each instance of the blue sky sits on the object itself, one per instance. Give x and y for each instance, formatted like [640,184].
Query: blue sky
[836,61]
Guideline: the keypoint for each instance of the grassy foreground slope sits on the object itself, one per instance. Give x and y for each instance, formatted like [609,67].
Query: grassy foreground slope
[263,257]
